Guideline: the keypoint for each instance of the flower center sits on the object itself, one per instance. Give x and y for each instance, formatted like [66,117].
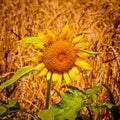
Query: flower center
[59,56]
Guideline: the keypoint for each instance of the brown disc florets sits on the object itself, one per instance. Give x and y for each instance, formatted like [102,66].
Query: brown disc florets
[59,56]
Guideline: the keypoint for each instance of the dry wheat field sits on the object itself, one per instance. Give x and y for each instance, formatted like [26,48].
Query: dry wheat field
[98,20]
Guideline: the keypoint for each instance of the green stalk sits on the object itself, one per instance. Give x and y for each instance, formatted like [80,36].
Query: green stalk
[48,94]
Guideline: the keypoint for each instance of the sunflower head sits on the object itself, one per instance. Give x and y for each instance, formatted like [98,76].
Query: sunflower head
[61,57]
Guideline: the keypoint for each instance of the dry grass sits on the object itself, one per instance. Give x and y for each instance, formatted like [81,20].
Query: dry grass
[98,20]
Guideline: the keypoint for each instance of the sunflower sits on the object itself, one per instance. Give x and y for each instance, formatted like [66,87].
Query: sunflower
[60,58]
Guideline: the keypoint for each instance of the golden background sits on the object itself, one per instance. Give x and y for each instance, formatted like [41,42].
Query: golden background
[99,20]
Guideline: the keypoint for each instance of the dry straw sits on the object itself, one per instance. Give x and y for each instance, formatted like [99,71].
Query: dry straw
[98,20]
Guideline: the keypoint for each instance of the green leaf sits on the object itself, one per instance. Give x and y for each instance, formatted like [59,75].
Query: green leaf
[76,91]
[35,40]
[115,110]
[11,103]
[2,110]
[20,73]
[12,106]
[70,105]
[89,52]
[2,79]
[35,118]
[95,108]
[83,117]
[46,114]
[110,94]
[94,90]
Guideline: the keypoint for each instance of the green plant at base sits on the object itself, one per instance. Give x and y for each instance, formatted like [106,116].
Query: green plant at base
[70,106]
[73,101]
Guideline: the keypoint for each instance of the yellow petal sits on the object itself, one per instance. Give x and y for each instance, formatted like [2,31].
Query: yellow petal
[73,75]
[39,53]
[68,35]
[33,59]
[59,81]
[77,39]
[39,66]
[83,64]
[80,46]
[43,38]
[41,47]
[43,72]
[50,35]
[55,76]
[49,75]
[75,70]
[66,78]
[65,31]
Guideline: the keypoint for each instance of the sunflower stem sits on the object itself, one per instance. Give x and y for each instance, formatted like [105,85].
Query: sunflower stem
[48,94]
